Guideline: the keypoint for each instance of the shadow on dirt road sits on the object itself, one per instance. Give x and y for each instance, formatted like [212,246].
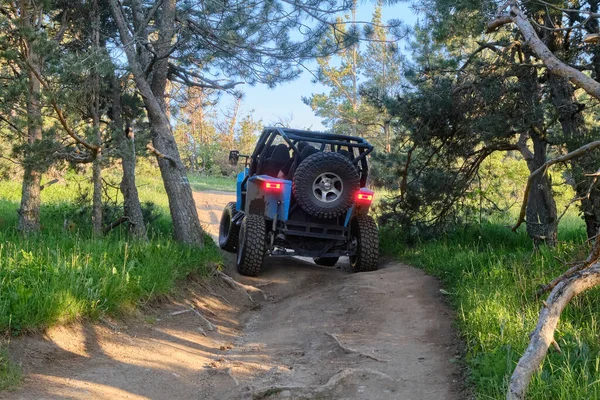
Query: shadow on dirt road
[314,333]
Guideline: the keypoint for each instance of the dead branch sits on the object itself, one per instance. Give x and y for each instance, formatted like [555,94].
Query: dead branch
[50,183]
[59,113]
[497,23]
[158,154]
[543,335]
[348,350]
[578,266]
[542,170]
[114,224]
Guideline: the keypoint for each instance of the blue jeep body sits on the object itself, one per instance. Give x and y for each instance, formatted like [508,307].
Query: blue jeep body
[270,200]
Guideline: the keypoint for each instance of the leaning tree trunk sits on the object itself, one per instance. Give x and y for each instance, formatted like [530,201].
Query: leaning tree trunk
[29,211]
[186,225]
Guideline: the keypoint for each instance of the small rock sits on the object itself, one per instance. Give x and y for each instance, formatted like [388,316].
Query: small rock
[285,394]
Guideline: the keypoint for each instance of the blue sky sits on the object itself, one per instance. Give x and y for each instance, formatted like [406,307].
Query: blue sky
[285,101]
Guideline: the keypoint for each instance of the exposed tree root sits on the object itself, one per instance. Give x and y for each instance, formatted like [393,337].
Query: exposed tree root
[218,296]
[316,391]
[348,350]
[206,324]
[239,286]
[543,335]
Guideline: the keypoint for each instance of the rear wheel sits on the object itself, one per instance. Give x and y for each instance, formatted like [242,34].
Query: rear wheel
[251,247]
[363,230]
[228,232]
[326,261]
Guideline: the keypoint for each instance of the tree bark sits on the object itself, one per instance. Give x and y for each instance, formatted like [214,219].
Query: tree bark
[541,214]
[29,210]
[543,335]
[97,216]
[573,127]
[186,225]
[132,209]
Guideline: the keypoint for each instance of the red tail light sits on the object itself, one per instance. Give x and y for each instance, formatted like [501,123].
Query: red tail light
[273,186]
[364,197]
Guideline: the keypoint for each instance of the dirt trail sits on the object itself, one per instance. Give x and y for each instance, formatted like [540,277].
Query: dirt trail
[320,333]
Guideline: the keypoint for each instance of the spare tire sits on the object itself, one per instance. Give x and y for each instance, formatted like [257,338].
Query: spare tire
[325,184]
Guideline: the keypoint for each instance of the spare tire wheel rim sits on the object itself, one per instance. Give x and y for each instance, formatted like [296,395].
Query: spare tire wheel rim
[328,187]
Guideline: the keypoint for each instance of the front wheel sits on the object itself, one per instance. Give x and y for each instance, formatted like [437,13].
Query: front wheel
[251,247]
[363,230]
[228,231]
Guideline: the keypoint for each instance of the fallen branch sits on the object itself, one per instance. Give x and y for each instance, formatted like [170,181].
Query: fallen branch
[114,224]
[348,350]
[543,335]
[578,266]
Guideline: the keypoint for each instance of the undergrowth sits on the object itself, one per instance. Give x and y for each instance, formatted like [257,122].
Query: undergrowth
[491,276]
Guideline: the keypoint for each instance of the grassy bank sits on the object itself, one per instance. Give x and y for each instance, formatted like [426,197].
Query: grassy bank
[64,273]
[491,276]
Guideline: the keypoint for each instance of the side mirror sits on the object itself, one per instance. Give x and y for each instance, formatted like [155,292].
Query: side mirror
[234,157]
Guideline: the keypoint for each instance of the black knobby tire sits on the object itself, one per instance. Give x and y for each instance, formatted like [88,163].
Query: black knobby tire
[333,167]
[363,229]
[326,261]
[228,232]
[251,247]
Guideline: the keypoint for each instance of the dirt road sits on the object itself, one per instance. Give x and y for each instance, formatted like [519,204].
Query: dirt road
[312,333]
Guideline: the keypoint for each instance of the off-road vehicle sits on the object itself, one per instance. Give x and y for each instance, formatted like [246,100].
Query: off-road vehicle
[302,193]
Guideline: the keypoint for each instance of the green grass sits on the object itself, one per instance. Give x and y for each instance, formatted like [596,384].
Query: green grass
[205,182]
[62,275]
[491,275]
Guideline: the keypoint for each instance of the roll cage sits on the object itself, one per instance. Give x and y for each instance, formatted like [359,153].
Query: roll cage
[357,146]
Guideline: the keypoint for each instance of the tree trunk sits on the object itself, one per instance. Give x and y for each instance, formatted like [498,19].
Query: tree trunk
[131,201]
[97,164]
[540,214]
[571,120]
[29,211]
[186,225]
[132,209]
[541,207]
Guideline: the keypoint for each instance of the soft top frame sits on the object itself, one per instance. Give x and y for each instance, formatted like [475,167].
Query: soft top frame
[293,136]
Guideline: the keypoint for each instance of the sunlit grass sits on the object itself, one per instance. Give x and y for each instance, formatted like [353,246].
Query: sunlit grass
[64,273]
[491,275]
